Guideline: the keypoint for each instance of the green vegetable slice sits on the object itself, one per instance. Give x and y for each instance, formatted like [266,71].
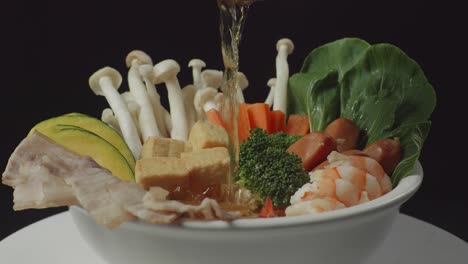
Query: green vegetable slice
[299,85]
[412,139]
[387,95]
[323,105]
[384,91]
[340,56]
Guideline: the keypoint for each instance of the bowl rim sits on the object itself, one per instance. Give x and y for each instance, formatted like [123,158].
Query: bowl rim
[405,189]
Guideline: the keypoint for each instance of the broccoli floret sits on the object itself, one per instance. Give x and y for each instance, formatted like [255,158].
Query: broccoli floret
[267,169]
[282,140]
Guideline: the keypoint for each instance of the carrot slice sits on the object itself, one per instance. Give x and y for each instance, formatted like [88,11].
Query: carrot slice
[259,116]
[277,121]
[214,117]
[243,123]
[267,210]
[298,125]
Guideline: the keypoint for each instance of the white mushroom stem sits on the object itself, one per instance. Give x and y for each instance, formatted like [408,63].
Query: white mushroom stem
[271,83]
[219,99]
[128,97]
[209,78]
[205,100]
[242,84]
[106,82]
[197,65]
[280,98]
[166,71]
[188,93]
[212,78]
[168,121]
[160,113]
[146,118]
[108,117]
[134,110]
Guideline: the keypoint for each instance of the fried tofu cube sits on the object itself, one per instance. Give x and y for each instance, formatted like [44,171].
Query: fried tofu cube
[169,173]
[206,135]
[208,167]
[162,147]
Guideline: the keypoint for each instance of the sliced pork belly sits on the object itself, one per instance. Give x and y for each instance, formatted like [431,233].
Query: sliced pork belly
[92,187]
[46,174]
[43,194]
[130,196]
[34,170]
[208,209]
[150,216]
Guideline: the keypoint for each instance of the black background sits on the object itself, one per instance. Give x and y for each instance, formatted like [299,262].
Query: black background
[56,45]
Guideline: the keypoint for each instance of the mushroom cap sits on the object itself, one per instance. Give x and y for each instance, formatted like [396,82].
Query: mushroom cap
[146,70]
[197,63]
[107,114]
[140,56]
[212,78]
[109,118]
[203,96]
[165,70]
[109,72]
[219,97]
[242,80]
[133,107]
[189,91]
[285,42]
[271,83]
[128,97]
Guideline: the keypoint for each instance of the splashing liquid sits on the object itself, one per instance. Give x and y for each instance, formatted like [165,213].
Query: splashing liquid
[233,14]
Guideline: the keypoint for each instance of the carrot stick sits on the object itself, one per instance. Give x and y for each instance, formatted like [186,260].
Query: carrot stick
[259,116]
[243,123]
[214,117]
[298,125]
[277,121]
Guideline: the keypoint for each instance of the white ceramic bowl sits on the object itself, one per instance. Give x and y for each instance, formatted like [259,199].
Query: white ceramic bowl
[348,236]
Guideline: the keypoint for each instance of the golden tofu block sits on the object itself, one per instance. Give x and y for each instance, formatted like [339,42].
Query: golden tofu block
[162,147]
[169,173]
[207,167]
[206,135]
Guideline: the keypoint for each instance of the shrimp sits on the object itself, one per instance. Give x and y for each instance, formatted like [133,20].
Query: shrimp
[347,180]
[364,163]
[344,183]
[317,205]
[361,179]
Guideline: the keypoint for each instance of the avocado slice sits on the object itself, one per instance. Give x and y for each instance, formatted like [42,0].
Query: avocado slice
[87,143]
[93,125]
